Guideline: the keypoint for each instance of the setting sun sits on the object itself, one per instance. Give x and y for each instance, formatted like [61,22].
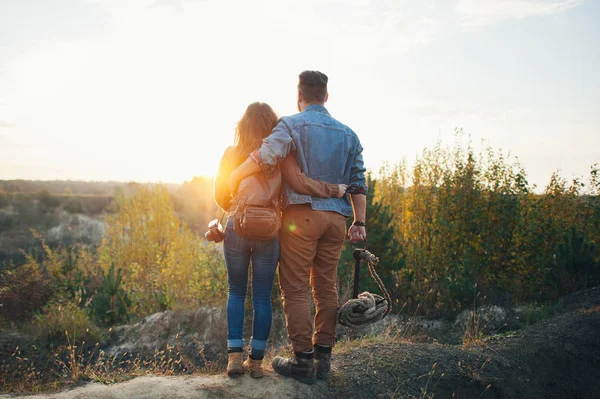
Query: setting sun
[457,140]
[151,90]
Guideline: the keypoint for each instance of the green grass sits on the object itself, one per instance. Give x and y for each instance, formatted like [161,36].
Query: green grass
[532,314]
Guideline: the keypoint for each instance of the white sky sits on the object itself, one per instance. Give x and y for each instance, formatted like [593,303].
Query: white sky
[150,90]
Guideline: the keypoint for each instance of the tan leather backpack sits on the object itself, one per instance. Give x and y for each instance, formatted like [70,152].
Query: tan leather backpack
[257,215]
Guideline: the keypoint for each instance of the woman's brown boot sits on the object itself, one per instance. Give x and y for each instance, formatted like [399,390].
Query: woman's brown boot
[255,367]
[234,364]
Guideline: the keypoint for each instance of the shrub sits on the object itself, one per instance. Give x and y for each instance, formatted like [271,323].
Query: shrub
[110,303]
[74,206]
[7,222]
[532,313]
[64,323]
[576,266]
[47,199]
[461,218]
[163,263]
[23,291]
[70,269]
[96,205]
[4,200]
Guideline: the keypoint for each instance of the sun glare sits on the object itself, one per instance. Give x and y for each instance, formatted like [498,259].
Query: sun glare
[152,92]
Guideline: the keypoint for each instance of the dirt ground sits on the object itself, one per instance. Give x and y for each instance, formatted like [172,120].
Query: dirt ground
[555,358]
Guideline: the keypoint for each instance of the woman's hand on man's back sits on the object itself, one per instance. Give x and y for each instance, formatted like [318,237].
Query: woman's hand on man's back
[341,190]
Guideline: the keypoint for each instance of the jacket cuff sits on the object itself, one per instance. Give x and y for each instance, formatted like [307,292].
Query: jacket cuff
[335,189]
[266,168]
[356,189]
[255,158]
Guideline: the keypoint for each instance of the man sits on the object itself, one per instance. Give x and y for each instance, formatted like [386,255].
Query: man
[313,229]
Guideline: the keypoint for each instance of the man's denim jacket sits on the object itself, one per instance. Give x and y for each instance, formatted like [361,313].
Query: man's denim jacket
[326,150]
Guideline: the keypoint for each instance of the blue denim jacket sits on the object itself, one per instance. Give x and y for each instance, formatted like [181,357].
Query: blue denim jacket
[326,150]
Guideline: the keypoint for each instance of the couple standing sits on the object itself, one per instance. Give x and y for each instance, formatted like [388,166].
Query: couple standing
[321,162]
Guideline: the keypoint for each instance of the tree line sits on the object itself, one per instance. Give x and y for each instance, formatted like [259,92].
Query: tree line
[460,225]
[456,226]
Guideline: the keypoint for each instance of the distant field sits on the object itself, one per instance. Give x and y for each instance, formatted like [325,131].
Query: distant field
[28,195]
[71,187]
[62,211]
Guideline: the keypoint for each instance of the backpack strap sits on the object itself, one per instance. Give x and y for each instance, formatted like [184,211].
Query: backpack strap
[242,202]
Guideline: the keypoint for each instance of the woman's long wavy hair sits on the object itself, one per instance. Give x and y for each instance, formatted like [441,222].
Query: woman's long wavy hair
[256,124]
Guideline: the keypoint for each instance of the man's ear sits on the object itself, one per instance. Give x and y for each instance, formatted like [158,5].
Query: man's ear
[326,97]
[299,96]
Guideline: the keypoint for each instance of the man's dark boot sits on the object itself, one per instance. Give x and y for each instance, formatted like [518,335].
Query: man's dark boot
[301,367]
[323,361]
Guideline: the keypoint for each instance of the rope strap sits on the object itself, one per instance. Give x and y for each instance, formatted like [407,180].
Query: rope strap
[366,308]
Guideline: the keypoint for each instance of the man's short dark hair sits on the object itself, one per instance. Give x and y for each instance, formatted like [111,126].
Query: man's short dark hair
[313,86]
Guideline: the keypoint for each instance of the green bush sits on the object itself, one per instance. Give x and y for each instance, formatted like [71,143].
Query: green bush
[23,291]
[7,222]
[66,322]
[4,200]
[576,267]
[74,206]
[164,264]
[109,305]
[532,314]
[463,219]
[47,200]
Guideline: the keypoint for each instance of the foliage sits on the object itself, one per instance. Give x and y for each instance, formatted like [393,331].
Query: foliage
[7,222]
[47,199]
[74,206]
[148,261]
[64,322]
[4,199]
[71,269]
[109,305]
[575,264]
[463,218]
[455,219]
[163,264]
[58,187]
[532,313]
[23,291]
[56,289]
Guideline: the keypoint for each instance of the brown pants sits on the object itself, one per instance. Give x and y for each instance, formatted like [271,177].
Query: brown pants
[311,243]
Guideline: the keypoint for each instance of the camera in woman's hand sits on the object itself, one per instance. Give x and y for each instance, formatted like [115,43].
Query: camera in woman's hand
[215,231]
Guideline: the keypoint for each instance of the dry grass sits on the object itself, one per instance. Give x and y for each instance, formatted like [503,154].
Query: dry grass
[78,361]
[477,325]
[473,335]
[392,335]
[593,309]
[427,392]
[209,367]
[272,352]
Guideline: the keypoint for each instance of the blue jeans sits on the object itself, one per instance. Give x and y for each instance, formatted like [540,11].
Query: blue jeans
[238,254]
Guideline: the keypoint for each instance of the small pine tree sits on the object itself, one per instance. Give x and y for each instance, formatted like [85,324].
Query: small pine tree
[109,306]
[576,267]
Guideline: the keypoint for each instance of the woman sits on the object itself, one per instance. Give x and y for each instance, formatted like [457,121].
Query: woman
[256,124]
